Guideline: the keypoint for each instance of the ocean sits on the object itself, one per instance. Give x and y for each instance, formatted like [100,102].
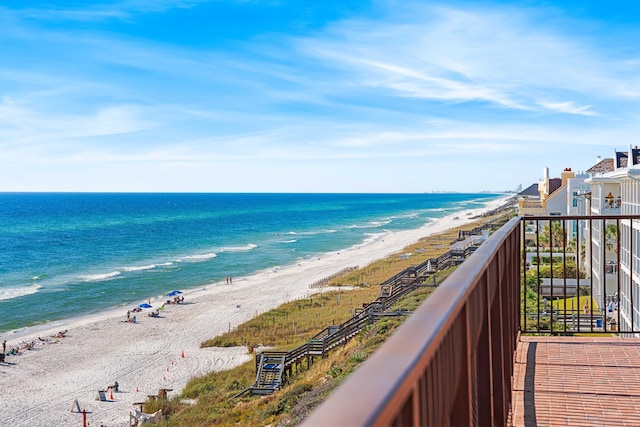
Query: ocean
[68,254]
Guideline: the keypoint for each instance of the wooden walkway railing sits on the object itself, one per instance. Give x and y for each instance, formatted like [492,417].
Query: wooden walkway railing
[273,368]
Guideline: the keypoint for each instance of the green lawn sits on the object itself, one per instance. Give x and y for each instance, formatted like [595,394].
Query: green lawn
[575,304]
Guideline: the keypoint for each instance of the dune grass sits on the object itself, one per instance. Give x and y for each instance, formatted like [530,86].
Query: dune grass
[296,322]
[304,390]
[292,324]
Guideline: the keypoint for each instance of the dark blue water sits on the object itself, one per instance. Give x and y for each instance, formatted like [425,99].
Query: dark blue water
[67,254]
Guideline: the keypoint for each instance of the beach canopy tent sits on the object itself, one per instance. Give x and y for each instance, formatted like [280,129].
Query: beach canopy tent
[145,305]
[173,293]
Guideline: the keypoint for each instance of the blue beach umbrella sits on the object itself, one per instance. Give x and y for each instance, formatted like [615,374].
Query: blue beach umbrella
[173,293]
[145,305]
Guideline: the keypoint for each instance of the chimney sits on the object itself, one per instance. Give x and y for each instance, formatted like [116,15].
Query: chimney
[567,174]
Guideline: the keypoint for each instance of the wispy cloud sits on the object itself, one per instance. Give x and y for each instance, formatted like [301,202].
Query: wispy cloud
[505,56]
[569,108]
[34,125]
[119,10]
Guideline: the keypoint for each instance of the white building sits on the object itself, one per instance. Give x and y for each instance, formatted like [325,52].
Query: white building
[556,196]
[617,192]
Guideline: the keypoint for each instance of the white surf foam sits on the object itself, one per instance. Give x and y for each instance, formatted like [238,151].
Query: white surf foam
[11,293]
[141,267]
[100,277]
[200,257]
[244,248]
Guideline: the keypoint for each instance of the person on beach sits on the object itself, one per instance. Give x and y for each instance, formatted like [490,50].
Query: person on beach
[4,347]
[128,315]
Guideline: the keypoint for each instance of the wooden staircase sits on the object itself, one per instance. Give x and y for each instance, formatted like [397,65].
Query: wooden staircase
[273,367]
[270,367]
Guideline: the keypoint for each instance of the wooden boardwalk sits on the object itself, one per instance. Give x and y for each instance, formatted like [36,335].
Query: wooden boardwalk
[577,381]
[273,368]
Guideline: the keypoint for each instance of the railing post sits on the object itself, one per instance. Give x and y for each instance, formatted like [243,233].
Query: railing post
[483,366]
[462,410]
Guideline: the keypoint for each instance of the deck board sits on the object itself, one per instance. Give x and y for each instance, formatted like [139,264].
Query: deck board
[577,381]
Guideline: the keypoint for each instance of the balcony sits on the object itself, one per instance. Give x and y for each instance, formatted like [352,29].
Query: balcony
[488,349]
[611,205]
[612,202]
[532,204]
[611,268]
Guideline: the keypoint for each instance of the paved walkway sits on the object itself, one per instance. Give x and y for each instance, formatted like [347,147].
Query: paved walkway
[577,381]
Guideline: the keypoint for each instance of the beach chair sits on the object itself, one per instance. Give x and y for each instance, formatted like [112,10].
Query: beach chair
[138,418]
[135,417]
[155,417]
[102,397]
[75,407]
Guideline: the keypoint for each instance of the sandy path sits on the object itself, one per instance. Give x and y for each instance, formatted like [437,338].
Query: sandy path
[38,387]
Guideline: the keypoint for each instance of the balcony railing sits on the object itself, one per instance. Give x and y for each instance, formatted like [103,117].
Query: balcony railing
[451,362]
[612,203]
[532,204]
[587,261]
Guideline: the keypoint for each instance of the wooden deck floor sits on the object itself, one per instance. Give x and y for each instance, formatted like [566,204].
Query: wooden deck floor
[577,381]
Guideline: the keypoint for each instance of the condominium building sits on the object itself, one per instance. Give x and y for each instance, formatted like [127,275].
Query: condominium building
[616,191]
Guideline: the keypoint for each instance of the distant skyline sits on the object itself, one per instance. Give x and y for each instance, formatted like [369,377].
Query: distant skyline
[297,96]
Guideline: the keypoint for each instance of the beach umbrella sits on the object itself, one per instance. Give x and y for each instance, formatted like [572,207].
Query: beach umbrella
[145,305]
[173,293]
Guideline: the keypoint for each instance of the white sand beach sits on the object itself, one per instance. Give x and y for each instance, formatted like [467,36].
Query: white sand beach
[39,386]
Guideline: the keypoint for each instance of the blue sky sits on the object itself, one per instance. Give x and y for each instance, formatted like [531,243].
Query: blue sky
[310,96]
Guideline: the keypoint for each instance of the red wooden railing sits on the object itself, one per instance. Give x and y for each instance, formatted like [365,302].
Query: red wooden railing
[451,362]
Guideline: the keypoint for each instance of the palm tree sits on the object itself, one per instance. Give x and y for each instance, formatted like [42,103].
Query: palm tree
[610,237]
[553,234]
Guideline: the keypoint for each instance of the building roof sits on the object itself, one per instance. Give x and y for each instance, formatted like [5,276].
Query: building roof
[531,190]
[554,184]
[604,166]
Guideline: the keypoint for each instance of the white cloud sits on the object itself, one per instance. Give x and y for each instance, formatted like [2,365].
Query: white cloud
[24,123]
[569,108]
[505,56]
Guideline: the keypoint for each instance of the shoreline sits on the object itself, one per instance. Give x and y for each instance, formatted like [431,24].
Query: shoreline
[102,348]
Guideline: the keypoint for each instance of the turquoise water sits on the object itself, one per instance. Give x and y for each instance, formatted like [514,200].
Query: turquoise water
[67,254]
